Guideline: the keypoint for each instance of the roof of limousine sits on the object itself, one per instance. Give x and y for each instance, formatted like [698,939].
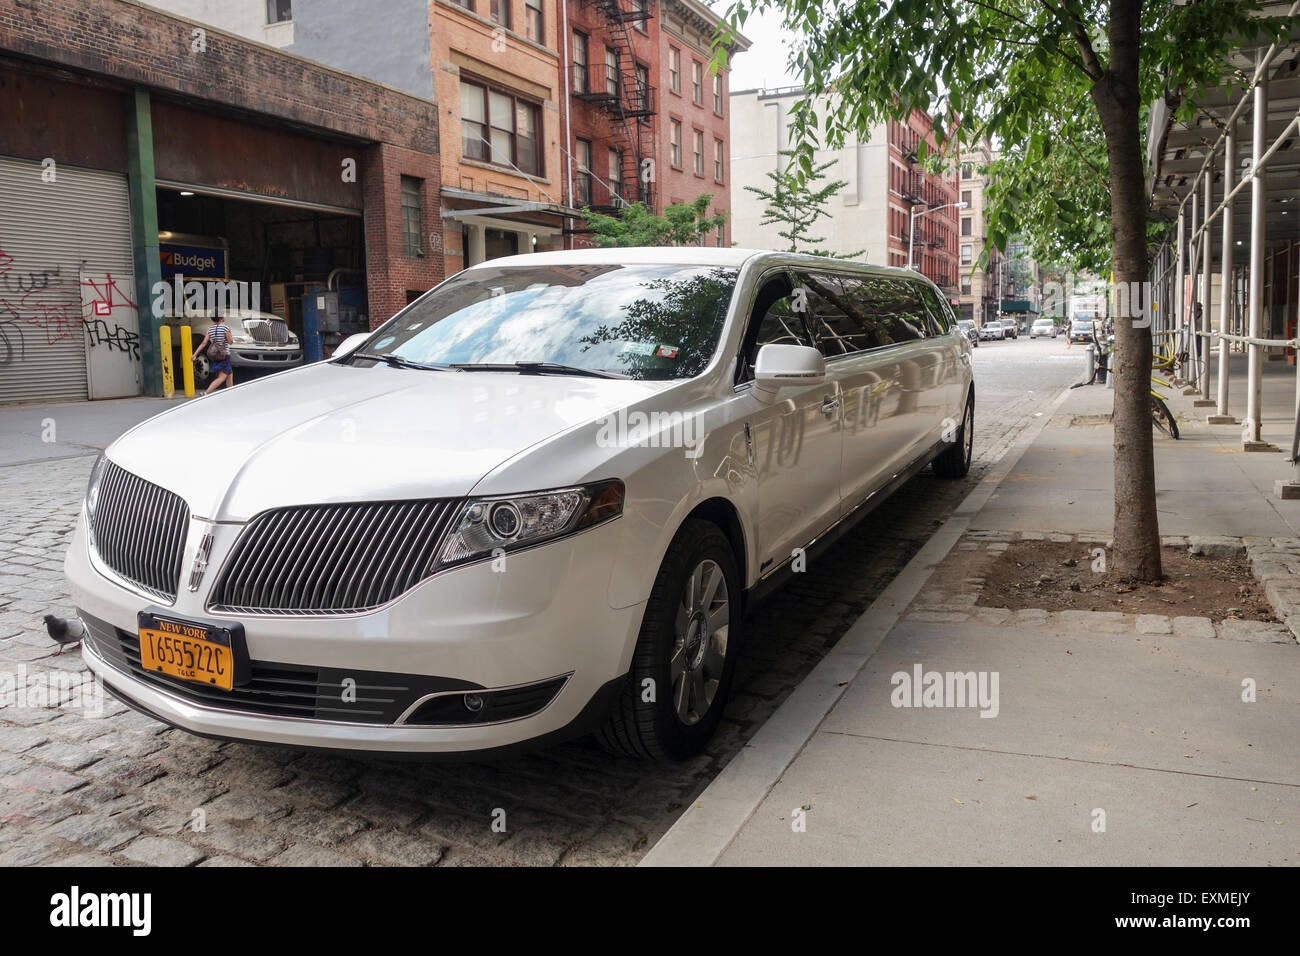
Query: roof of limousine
[683,255]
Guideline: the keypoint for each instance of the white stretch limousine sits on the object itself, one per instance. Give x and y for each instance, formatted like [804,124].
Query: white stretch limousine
[533,504]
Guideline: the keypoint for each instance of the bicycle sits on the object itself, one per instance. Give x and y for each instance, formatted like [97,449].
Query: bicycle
[1161,416]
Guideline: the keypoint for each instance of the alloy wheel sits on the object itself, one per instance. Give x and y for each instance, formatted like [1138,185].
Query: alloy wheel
[699,650]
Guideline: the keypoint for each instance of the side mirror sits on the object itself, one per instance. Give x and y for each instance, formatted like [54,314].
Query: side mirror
[350,344]
[782,365]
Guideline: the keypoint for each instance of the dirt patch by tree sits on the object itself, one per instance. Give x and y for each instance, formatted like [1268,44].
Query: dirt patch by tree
[1063,576]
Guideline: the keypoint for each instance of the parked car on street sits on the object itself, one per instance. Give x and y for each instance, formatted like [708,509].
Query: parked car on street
[1081,330]
[1043,328]
[992,330]
[968,327]
[535,503]
[1010,329]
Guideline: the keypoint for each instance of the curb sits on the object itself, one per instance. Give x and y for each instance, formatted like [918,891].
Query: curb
[703,832]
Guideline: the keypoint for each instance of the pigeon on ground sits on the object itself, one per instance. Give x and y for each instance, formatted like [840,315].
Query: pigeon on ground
[64,632]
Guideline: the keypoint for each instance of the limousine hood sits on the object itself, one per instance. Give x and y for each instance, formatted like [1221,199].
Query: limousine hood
[329,433]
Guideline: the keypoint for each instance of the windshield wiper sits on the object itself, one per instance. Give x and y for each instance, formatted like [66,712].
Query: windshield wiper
[396,361]
[534,368]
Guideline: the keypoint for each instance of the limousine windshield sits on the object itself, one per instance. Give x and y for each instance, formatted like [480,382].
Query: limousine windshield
[649,322]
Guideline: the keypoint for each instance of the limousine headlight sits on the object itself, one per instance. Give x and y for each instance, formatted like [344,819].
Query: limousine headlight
[487,525]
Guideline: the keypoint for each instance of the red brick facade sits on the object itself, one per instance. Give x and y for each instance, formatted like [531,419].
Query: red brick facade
[911,187]
[381,175]
[228,113]
[673,38]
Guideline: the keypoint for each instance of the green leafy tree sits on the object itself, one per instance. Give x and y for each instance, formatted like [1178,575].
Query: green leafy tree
[794,203]
[1041,77]
[682,224]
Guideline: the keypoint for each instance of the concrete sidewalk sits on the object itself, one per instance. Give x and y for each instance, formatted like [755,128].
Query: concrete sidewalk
[1109,746]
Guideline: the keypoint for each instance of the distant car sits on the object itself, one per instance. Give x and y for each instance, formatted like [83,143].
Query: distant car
[258,340]
[1010,329]
[968,329]
[1081,330]
[1042,327]
[992,329]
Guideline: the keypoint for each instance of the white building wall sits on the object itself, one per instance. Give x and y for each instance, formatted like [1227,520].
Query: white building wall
[760,129]
[247,18]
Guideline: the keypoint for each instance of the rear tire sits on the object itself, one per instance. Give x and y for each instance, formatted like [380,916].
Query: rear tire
[955,461]
[685,655]
[1163,418]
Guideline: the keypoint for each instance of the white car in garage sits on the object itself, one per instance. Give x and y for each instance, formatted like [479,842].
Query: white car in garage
[535,503]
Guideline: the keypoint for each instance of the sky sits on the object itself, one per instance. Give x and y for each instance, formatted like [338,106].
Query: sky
[763,65]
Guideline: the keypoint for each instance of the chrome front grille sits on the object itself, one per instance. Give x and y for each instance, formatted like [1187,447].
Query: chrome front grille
[138,530]
[331,559]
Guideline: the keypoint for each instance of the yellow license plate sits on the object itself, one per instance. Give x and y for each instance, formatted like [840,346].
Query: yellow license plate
[187,651]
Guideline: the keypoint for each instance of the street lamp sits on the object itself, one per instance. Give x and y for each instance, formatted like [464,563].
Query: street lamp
[911,228]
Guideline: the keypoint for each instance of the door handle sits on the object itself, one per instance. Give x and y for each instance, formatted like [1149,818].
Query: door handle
[830,404]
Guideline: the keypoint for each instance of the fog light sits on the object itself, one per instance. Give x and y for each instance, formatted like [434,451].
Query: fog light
[473,703]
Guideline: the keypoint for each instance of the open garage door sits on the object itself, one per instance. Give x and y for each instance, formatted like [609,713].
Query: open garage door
[304,262]
[65,248]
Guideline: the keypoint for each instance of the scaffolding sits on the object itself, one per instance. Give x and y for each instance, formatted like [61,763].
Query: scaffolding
[1200,177]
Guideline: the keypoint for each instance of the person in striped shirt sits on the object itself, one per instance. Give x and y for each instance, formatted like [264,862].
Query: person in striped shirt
[216,344]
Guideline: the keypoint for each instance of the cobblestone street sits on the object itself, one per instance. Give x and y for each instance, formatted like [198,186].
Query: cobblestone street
[122,789]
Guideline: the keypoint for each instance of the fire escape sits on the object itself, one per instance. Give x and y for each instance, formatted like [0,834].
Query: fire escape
[626,100]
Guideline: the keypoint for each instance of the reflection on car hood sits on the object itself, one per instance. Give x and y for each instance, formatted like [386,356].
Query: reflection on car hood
[332,432]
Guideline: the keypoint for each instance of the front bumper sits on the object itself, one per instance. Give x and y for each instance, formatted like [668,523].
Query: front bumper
[544,616]
[245,357]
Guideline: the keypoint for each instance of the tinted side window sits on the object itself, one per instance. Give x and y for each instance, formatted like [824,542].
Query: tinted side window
[891,308]
[940,316]
[840,314]
[776,321]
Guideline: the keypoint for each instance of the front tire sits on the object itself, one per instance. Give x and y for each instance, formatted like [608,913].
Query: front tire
[955,461]
[685,655]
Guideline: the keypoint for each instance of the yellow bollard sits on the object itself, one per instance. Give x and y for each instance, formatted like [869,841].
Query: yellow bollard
[165,348]
[187,366]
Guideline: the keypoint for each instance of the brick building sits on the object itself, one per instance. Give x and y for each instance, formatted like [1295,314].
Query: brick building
[124,125]
[694,123]
[648,115]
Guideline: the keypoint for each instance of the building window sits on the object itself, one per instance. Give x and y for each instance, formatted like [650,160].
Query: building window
[965,225]
[582,185]
[674,69]
[533,20]
[699,152]
[717,160]
[615,175]
[580,63]
[965,286]
[717,93]
[675,142]
[643,88]
[499,12]
[412,216]
[722,237]
[966,171]
[500,128]
[965,197]
[278,11]
[642,8]
[697,81]
[966,255]
[611,71]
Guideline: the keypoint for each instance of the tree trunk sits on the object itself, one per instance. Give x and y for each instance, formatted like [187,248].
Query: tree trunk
[1136,530]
